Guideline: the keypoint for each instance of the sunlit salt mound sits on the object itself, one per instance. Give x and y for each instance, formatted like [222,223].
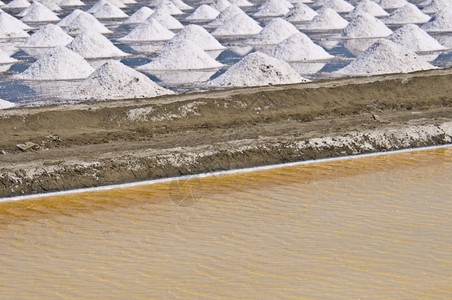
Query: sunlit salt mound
[58,64]
[166,20]
[6,104]
[70,17]
[84,22]
[276,31]
[436,5]
[220,5]
[203,13]
[91,44]
[48,36]
[150,30]
[440,22]
[10,27]
[258,69]
[18,4]
[370,7]
[199,36]
[51,4]
[109,11]
[415,39]
[139,16]
[114,80]
[300,13]
[391,4]
[386,57]
[37,12]
[239,24]
[226,15]
[241,3]
[182,55]
[407,14]
[299,47]
[5,58]
[70,3]
[273,8]
[340,6]
[182,5]
[365,26]
[326,19]
[169,7]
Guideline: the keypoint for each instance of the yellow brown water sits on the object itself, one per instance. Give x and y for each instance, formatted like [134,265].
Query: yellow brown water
[372,228]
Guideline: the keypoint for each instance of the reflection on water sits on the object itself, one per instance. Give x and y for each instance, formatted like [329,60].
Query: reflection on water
[375,227]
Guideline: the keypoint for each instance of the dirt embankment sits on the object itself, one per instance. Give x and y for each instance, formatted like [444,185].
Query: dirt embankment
[92,144]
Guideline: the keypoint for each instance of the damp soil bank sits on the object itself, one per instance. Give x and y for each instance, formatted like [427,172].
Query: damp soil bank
[90,144]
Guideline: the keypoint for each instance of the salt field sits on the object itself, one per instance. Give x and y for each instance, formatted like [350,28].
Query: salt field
[329,36]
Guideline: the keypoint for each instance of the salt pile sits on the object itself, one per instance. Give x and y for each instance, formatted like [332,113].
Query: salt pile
[365,26]
[220,5]
[58,64]
[139,16]
[415,39]
[326,19]
[37,12]
[257,69]
[109,11]
[48,36]
[18,4]
[69,18]
[182,55]
[154,3]
[436,5]
[273,8]
[150,30]
[6,104]
[169,7]
[91,44]
[391,4]
[199,36]
[370,7]
[182,5]
[50,4]
[385,57]
[299,47]
[166,20]
[239,24]
[226,15]
[10,21]
[5,58]
[407,14]
[441,22]
[10,27]
[100,3]
[204,13]
[275,31]
[339,6]
[241,3]
[70,3]
[114,80]
[84,22]
[300,13]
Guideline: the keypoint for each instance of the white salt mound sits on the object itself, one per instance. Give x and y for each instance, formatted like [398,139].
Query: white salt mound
[11,22]
[391,4]
[441,22]
[241,3]
[386,57]
[226,15]
[273,8]
[276,31]
[48,36]
[182,5]
[339,6]
[70,3]
[150,30]
[436,5]
[9,28]
[326,19]
[183,55]
[139,16]
[299,47]
[415,39]
[239,24]
[169,7]
[257,69]
[109,11]
[70,17]
[300,13]
[91,44]
[50,4]
[37,12]
[58,64]
[85,22]
[5,58]
[220,5]
[204,13]
[370,7]
[199,36]
[166,20]
[18,4]
[6,104]
[365,26]
[407,14]
[114,80]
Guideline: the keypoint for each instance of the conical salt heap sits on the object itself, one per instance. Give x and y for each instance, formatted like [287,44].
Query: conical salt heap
[300,13]
[91,44]
[441,22]
[48,36]
[37,12]
[276,31]
[365,26]
[150,30]
[51,4]
[273,8]
[415,39]
[109,11]
[18,4]
[58,64]
[182,5]
[241,3]
[182,55]
[70,17]
[10,27]
[239,24]
[71,3]
[5,58]
[326,19]
[220,5]
[370,7]
[139,16]
[100,3]
[391,4]
[407,14]
[226,15]
[203,13]
[166,20]
[436,5]
[114,80]
[169,7]
[385,57]
[85,22]
[6,104]
[257,69]
[339,6]
[297,48]
[199,36]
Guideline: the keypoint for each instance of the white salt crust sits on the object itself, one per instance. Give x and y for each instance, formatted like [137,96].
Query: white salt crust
[257,69]
[300,13]
[435,6]
[18,4]
[70,17]
[370,7]
[182,5]
[199,36]
[38,12]
[85,22]
[5,58]
[150,30]
[169,7]
[51,4]
[274,32]
[6,104]
[166,20]
[139,16]
[91,44]
[273,8]
[326,19]
[239,24]
[71,3]
[441,22]
[203,13]
[415,39]
[49,35]
[10,27]
[340,6]
[407,14]
[365,25]
[241,3]
[220,5]
[114,80]
[109,11]
[226,15]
